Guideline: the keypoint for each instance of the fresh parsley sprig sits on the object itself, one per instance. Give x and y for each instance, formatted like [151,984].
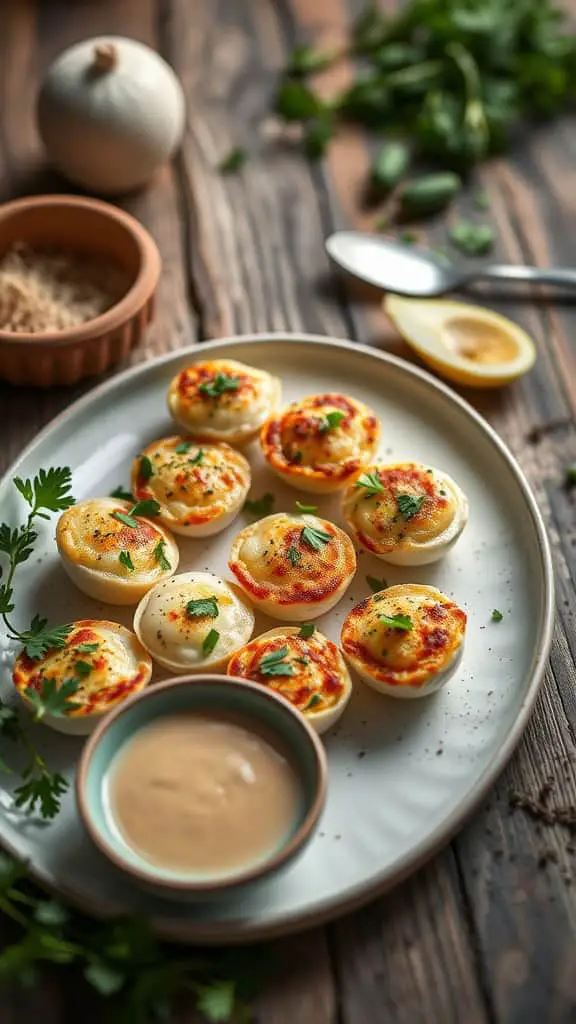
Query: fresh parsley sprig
[402,622]
[49,491]
[275,664]
[371,483]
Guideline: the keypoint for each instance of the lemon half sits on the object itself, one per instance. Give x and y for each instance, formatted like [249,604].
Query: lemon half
[466,344]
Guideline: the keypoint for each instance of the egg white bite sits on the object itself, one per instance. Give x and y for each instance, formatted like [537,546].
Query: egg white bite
[293,567]
[200,487]
[223,400]
[407,513]
[307,670]
[321,442]
[111,555]
[107,662]
[194,622]
[405,641]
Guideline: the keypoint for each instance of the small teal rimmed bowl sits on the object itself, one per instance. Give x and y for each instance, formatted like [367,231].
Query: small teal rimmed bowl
[207,693]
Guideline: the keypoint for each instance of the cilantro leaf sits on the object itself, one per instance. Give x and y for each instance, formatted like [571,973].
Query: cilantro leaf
[306,630]
[148,507]
[125,559]
[183,447]
[260,507]
[122,494]
[315,538]
[315,699]
[371,482]
[219,384]
[87,648]
[496,616]
[210,641]
[409,504]
[160,555]
[41,638]
[43,791]
[198,458]
[127,520]
[145,469]
[274,664]
[306,509]
[403,622]
[83,668]
[49,490]
[52,699]
[294,555]
[203,608]
[375,584]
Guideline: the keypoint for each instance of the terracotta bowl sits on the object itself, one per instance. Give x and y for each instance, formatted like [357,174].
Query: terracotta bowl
[96,229]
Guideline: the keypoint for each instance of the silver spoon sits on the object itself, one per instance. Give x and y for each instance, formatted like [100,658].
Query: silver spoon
[421,274]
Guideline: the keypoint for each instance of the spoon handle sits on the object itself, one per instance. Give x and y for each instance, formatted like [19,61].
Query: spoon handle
[563,277]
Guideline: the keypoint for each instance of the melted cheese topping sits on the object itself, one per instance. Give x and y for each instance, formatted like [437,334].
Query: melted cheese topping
[319,679]
[176,637]
[89,534]
[231,415]
[404,657]
[195,485]
[106,659]
[386,521]
[276,560]
[303,443]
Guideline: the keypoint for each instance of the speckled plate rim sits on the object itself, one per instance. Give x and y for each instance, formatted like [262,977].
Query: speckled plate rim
[251,931]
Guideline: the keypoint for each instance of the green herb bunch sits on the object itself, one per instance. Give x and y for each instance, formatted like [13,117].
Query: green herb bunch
[122,960]
[40,788]
[448,78]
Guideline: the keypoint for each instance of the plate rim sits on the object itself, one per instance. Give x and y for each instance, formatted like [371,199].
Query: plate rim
[363,893]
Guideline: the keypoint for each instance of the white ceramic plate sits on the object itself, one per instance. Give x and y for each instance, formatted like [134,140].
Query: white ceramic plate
[403,774]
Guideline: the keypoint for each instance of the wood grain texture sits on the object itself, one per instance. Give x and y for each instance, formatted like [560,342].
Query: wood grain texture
[486,932]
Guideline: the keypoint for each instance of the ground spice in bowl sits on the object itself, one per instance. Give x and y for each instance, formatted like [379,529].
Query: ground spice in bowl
[50,290]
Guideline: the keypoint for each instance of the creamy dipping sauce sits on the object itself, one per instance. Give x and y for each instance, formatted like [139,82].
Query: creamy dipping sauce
[203,795]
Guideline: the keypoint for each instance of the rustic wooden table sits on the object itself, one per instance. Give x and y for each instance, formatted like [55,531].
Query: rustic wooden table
[486,932]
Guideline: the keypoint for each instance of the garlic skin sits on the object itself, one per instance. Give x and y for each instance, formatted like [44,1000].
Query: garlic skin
[110,111]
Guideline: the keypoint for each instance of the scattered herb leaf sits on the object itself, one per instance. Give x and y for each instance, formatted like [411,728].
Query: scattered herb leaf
[315,538]
[210,641]
[409,504]
[306,509]
[160,555]
[219,384]
[122,494]
[371,482]
[315,699]
[183,447]
[331,421]
[260,507]
[148,507]
[403,622]
[146,469]
[496,616]
[294,555]
[198,458]
[307,630]
[234,161]
[375,584]
[273,664]
[87,648]
[125,559]
[126,520]
[54,699]
[83,668]
[203,607]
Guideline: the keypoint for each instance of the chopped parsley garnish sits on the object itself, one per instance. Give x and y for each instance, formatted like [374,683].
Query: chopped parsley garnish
[160,555]
[376,585]
[83,668]
[210,641]
[403,622]
[260,507]
[330,421]
[409,504]
[146,469]
[371,482]
[497,616]
[127,520]
[306,509]
[198,458]
[183,447]
[294,555]
[315,538]
[125,559]
[219,384]
[306,630]
[314,700]
[122,494]
[203,607]
[87,648]
[148,507]
[273,664]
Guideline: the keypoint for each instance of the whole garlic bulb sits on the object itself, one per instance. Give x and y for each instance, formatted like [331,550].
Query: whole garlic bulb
[110,111]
